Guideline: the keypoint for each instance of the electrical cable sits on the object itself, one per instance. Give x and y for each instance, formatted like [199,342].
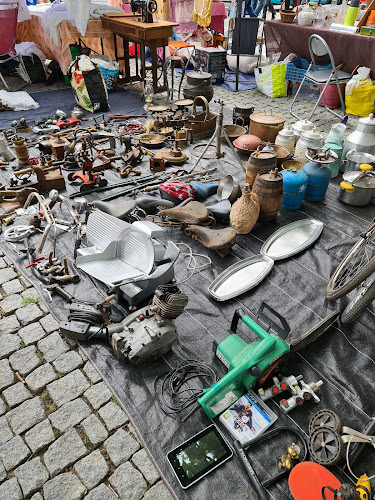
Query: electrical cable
[175,384]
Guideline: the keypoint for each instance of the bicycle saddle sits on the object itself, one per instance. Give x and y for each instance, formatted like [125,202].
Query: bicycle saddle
[146,202]
[203,190]
[220,210]
[193,212]
[219,240]
[119,210]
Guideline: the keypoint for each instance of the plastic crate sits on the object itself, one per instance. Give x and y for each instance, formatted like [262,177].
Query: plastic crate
[212,60]
[295,70]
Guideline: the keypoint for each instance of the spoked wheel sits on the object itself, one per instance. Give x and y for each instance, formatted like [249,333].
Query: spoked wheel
[325,446]
[365,295]
[358,264]
[325,418]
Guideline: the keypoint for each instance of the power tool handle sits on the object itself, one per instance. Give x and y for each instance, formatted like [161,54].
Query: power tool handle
[253,478]
[253,325]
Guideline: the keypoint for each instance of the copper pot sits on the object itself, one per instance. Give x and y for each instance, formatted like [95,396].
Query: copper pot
[247,143]
[266,125]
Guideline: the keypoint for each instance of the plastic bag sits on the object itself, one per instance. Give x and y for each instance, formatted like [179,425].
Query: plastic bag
[110,69]
[270,79]
[18,101]
[89,86]
[361,100]
[362,78]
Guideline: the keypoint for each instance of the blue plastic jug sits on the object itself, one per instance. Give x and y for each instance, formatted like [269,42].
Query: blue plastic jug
[319,176]
[294,188]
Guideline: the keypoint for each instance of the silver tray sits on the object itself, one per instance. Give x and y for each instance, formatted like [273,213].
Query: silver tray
[292,239]
[240,277]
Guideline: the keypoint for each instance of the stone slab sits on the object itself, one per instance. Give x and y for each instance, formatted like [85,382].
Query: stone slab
[68,388]
[31,476]
[92,469]
[113,416]
[16,394]
[40,377]
[69,415]
[66,486]
[25,360]
[13,453]
[121,446]
[128,482]
[94,429]
[26,415]
[52,346]
[97,395]
[9,343]
[40,436]
[64,452]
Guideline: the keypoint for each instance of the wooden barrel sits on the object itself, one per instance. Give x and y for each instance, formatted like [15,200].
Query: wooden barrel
[268,186]
[259,160]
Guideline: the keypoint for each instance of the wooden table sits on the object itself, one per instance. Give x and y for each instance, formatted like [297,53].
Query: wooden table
[151,35]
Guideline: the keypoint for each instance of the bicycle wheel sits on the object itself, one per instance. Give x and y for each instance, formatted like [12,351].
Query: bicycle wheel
[358,264]
[364,297]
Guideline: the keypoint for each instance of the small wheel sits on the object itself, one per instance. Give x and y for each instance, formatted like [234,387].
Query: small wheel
[325,418]
[86,187]
[102,182]
[365,295]
[325,446]
[71,176]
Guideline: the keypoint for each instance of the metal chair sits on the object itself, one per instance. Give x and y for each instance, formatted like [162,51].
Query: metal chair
[8,27]
[318,47]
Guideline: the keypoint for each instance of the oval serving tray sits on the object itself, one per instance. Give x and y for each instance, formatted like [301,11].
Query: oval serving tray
[292,239]
[240,277]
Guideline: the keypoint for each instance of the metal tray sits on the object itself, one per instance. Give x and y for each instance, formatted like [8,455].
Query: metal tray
[240,277]
[292,239]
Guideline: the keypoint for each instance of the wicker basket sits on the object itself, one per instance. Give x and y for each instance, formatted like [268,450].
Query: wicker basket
[287,16]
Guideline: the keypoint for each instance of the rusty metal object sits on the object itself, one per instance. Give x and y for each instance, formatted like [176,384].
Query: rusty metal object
[58,147]
[35,221]
[47,178]
[173,156]
[198,84]
[218,240]
[184,136]
[157,164]
[266,125]
[10,200]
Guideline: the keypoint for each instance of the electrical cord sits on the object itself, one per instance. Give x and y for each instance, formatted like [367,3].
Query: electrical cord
[180,396]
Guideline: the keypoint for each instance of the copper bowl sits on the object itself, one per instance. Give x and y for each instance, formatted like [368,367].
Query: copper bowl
[281,153]
[246,143]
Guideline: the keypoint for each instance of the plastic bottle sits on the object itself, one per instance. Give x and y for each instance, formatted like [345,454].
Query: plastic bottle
[352,13]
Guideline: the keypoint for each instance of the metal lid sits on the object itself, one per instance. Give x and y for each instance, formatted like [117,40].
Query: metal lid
[270,175]
[287,131]
[302,125]
[360,179]
[368,120]
[312,134]
[199,75]
[267,118]
[244,108]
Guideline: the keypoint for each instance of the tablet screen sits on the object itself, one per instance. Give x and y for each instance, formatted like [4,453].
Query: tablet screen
[199,455]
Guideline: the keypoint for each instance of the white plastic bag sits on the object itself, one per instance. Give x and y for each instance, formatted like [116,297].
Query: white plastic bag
[270,79]
[362,75]
[18,101]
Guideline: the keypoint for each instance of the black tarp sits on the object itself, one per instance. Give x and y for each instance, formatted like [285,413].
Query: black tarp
[343,357]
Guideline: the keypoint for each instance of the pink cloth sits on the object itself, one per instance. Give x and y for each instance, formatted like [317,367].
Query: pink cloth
[218,15]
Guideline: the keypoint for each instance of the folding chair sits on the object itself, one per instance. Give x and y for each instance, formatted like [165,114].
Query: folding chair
[8,27]
[318,47]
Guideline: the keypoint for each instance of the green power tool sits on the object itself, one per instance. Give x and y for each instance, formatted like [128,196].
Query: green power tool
[252,364]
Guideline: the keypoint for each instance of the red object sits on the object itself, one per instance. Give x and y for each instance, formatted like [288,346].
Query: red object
[176,189]
[33,161]
[307,479]
[284,386]
[275,390]
[332,96]
[8,23]
[67,123]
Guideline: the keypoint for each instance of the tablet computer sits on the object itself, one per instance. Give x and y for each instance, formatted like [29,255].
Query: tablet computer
[199,456]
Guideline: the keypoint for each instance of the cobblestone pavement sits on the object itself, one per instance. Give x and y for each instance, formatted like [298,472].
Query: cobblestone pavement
[63,435]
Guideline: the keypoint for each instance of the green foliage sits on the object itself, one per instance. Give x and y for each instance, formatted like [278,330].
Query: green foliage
[29,300]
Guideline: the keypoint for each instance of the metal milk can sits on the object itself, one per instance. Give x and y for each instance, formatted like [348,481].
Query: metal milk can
[362,140]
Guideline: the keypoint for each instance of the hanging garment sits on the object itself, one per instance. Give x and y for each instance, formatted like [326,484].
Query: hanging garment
[202,12]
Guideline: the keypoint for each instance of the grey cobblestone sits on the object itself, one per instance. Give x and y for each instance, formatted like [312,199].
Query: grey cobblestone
[2,407]
[49,323]
[25,360]
[39,436]
[16,394]
[10,490]
[66,486]
[29,314]
[7,274]
[10,304]
[102,492]
[13,452]
[121,446]
[9,343]
[69,415]
[91,373]
[30,292]
[52,346]
[128,482]
[113,416]
[75,381]
[9,324]
[6,374]
[92,469]
[94,429]
[31,333]
[68,362]
[40,377]
[97,395]
[2,263]
[37,496]
[31,476]
[64,452]
[3,472]
[143,463]
[26,415]
[158,492]
[27,283]
[13,286]
[5,432]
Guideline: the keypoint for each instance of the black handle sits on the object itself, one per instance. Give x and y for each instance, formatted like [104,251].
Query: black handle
[282,329]
[254,481]
[238,314]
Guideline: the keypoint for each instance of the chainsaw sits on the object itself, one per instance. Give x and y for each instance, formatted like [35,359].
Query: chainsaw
[251,365]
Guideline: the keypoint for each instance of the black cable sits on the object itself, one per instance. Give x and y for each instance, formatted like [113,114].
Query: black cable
[175,385]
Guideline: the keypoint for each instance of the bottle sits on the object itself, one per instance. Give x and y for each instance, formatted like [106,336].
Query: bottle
[245,211]
[352,13]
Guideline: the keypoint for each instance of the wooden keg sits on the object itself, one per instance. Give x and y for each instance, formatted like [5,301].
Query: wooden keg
[197,84]
[259,160]
[268,186]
